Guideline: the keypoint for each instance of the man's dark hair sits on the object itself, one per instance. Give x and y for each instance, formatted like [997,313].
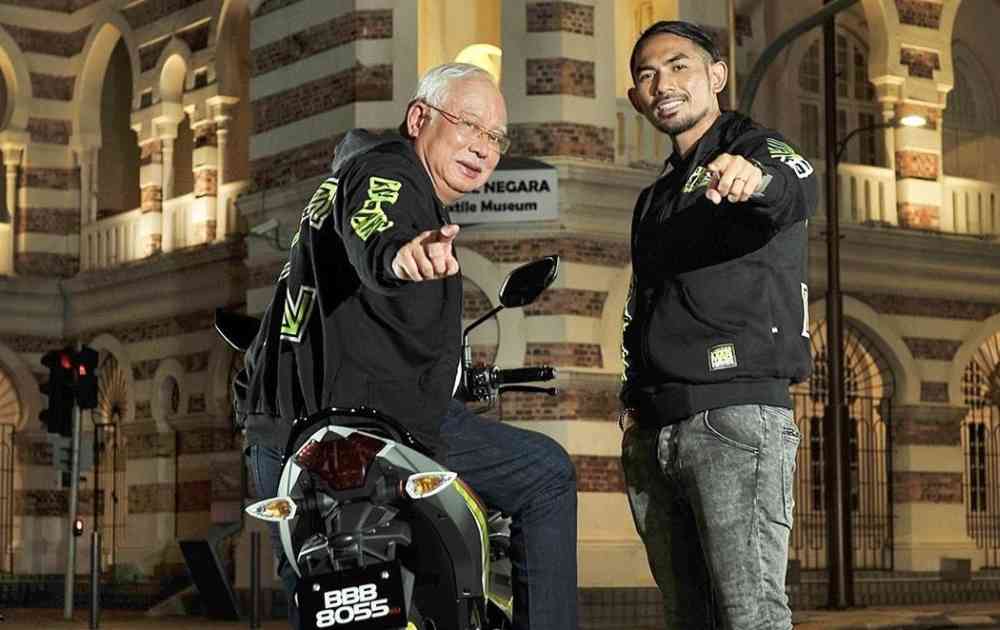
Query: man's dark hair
[687,30]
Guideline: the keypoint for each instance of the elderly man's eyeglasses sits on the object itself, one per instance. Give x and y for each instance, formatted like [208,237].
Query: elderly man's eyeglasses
[469,129]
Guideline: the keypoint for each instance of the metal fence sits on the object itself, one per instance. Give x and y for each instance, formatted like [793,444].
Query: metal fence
[6,498]
[868,389]
[981,444]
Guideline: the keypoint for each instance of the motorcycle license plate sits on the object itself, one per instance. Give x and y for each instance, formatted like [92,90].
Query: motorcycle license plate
[360,599]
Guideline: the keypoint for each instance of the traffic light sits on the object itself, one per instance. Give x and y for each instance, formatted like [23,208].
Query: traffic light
[58,417]
[86,381]
[78,526]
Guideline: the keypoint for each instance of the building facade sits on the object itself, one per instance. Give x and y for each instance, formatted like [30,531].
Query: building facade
[142,140]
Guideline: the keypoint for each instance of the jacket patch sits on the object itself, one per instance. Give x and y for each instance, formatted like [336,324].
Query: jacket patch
[296,313]
[785,154]
[722,357]
[319,207]
[371,217]
[700,178]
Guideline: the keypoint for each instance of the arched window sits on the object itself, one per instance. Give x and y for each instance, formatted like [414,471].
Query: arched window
[118,161]
[868,390]
[981,443]
[857,106]
[969,136]
[183,158]
[109,418]
[10,414]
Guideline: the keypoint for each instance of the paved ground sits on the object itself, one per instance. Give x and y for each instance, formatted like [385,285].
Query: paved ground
[884,618]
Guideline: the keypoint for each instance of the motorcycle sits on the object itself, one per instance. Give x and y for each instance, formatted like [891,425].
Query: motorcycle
[380,535]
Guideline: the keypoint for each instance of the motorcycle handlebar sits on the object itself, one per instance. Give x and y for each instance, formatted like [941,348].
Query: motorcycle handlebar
[525,375]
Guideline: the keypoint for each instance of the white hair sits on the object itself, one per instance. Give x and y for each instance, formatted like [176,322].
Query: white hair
[433,87]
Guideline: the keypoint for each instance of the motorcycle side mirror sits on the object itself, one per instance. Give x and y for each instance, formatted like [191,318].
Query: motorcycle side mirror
[524,284]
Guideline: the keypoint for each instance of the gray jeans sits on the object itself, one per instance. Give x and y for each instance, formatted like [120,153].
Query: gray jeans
[712,498]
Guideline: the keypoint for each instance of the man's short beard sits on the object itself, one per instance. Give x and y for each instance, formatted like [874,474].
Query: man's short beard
[677,127]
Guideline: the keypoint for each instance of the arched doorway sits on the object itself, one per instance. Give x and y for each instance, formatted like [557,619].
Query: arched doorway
[981,444]
[869,387]
[10,413]
[109,475]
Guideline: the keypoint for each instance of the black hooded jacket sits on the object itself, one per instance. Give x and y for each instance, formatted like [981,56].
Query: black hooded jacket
[717,313]
[341,330]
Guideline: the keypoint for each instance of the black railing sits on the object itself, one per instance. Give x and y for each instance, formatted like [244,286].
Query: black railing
[981,445]
[868,388]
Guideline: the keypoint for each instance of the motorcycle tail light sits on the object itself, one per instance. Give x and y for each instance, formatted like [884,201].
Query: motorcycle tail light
[342,463]
[274,509]
[423,485]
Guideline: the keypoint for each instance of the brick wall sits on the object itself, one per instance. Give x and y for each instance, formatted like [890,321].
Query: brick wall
[58,221]
[563,354]
[568,302]
[44,42]
[917,164]
[43,264]
[354,85]
[923,13]
[474,301]
[598,473]
[571,17]
[55,178]
[571,403]
[933,349]
[571,248]
[919,216]
[293,165]
[914,425]
[887,304]
[560,75]
[926,487]
[341,30]
[562,138]
[193,362]
[920,63]
[934,392]
[52,87]
[50,130]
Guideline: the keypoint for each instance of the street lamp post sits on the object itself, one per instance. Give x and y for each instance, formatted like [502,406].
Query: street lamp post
[836,439]
[840,593]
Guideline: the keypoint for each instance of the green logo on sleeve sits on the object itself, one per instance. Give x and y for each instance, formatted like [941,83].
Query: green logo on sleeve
[297,312]
[319,207]
[784,153]
[371,217]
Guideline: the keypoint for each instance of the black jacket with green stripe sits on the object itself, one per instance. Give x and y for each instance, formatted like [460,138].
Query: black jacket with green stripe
[717,313]
[341,330]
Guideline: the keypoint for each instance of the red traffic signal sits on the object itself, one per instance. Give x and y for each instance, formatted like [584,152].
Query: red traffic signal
[86,382]
[58,417]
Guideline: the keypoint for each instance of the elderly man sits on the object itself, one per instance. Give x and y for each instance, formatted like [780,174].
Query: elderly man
[371,313]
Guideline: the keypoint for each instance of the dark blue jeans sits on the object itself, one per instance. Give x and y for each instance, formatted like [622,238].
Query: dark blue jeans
[522,473]
[712,499]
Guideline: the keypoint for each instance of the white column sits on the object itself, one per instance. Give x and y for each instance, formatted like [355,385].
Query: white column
[168,166]
[12,160]
[221,214]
